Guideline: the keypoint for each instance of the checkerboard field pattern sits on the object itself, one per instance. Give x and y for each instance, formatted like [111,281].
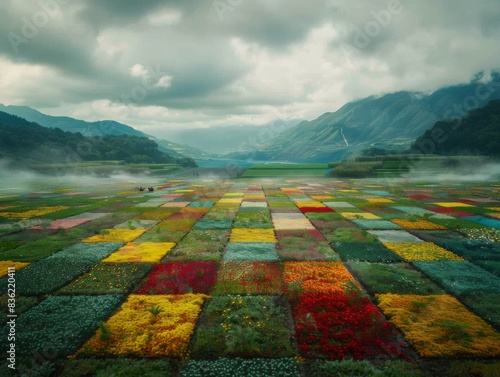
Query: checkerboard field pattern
[279,276]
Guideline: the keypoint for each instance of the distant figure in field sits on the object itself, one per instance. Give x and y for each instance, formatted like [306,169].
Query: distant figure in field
[151,189]
[141,188]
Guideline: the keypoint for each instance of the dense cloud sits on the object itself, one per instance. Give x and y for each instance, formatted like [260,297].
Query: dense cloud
[163,64]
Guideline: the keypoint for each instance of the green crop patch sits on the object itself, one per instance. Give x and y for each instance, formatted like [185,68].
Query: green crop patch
[254,251]
[201,245]
[61,268]
[364,251]
[240,367]
[244,326]
[61,323]
[108,278]
[398,278]
[460,278]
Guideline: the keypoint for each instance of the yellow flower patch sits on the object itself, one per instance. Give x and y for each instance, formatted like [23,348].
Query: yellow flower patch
[417,224]
[4,266]
[323,277]
[322,197]
[116,235]
[234,195]
[452,204]
[348,190]
[440,326]
[483,233]
[31,213]
[253,196]
[359,215]
[252,235]
[380,201]
[229,201]
[146,252]
[310,204]
[148,326]
[421,251]
[496,209]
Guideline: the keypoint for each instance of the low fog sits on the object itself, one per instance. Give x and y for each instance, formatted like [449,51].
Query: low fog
[15,180]
[470,173]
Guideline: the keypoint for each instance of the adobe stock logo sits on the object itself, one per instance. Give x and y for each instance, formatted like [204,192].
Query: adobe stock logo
[222,7]
[363,36]
[31,26]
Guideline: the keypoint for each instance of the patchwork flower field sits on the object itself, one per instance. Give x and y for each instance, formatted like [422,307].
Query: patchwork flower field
[283,277]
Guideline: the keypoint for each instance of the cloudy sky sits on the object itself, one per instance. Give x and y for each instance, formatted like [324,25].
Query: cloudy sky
[165,64]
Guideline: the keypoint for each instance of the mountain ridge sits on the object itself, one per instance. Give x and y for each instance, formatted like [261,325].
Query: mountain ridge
[98,128]
[28,144]
[391,121]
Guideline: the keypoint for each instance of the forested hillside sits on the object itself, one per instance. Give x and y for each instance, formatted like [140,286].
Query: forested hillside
[29,143]
[477,133]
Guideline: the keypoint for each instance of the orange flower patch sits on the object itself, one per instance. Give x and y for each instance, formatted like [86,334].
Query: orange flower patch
[418,224]
[322,277]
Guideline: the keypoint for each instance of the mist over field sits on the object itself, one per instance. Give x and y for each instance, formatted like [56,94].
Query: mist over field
[487,172]
[22,181]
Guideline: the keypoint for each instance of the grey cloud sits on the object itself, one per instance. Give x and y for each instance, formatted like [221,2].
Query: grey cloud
[102,14]
[276,24]
[196,51]
[57,43]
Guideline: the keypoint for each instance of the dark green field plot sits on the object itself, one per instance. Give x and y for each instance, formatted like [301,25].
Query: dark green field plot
[284,170]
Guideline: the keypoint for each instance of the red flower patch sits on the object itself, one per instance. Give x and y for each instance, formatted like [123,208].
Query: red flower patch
[341,324]
[180,277]
[420,197]
[451,212]
[316,209]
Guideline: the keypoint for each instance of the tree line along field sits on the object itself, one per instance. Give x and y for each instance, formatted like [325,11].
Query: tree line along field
[286,170]
[396,165]
[290,277]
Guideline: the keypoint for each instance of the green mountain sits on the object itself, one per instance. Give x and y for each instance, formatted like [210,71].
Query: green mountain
[476,134]
[392,121]
[28,144]
[100,128]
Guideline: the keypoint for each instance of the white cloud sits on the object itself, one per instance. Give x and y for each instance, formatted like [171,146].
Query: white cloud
[164,82]
[138,70]
[167,17]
